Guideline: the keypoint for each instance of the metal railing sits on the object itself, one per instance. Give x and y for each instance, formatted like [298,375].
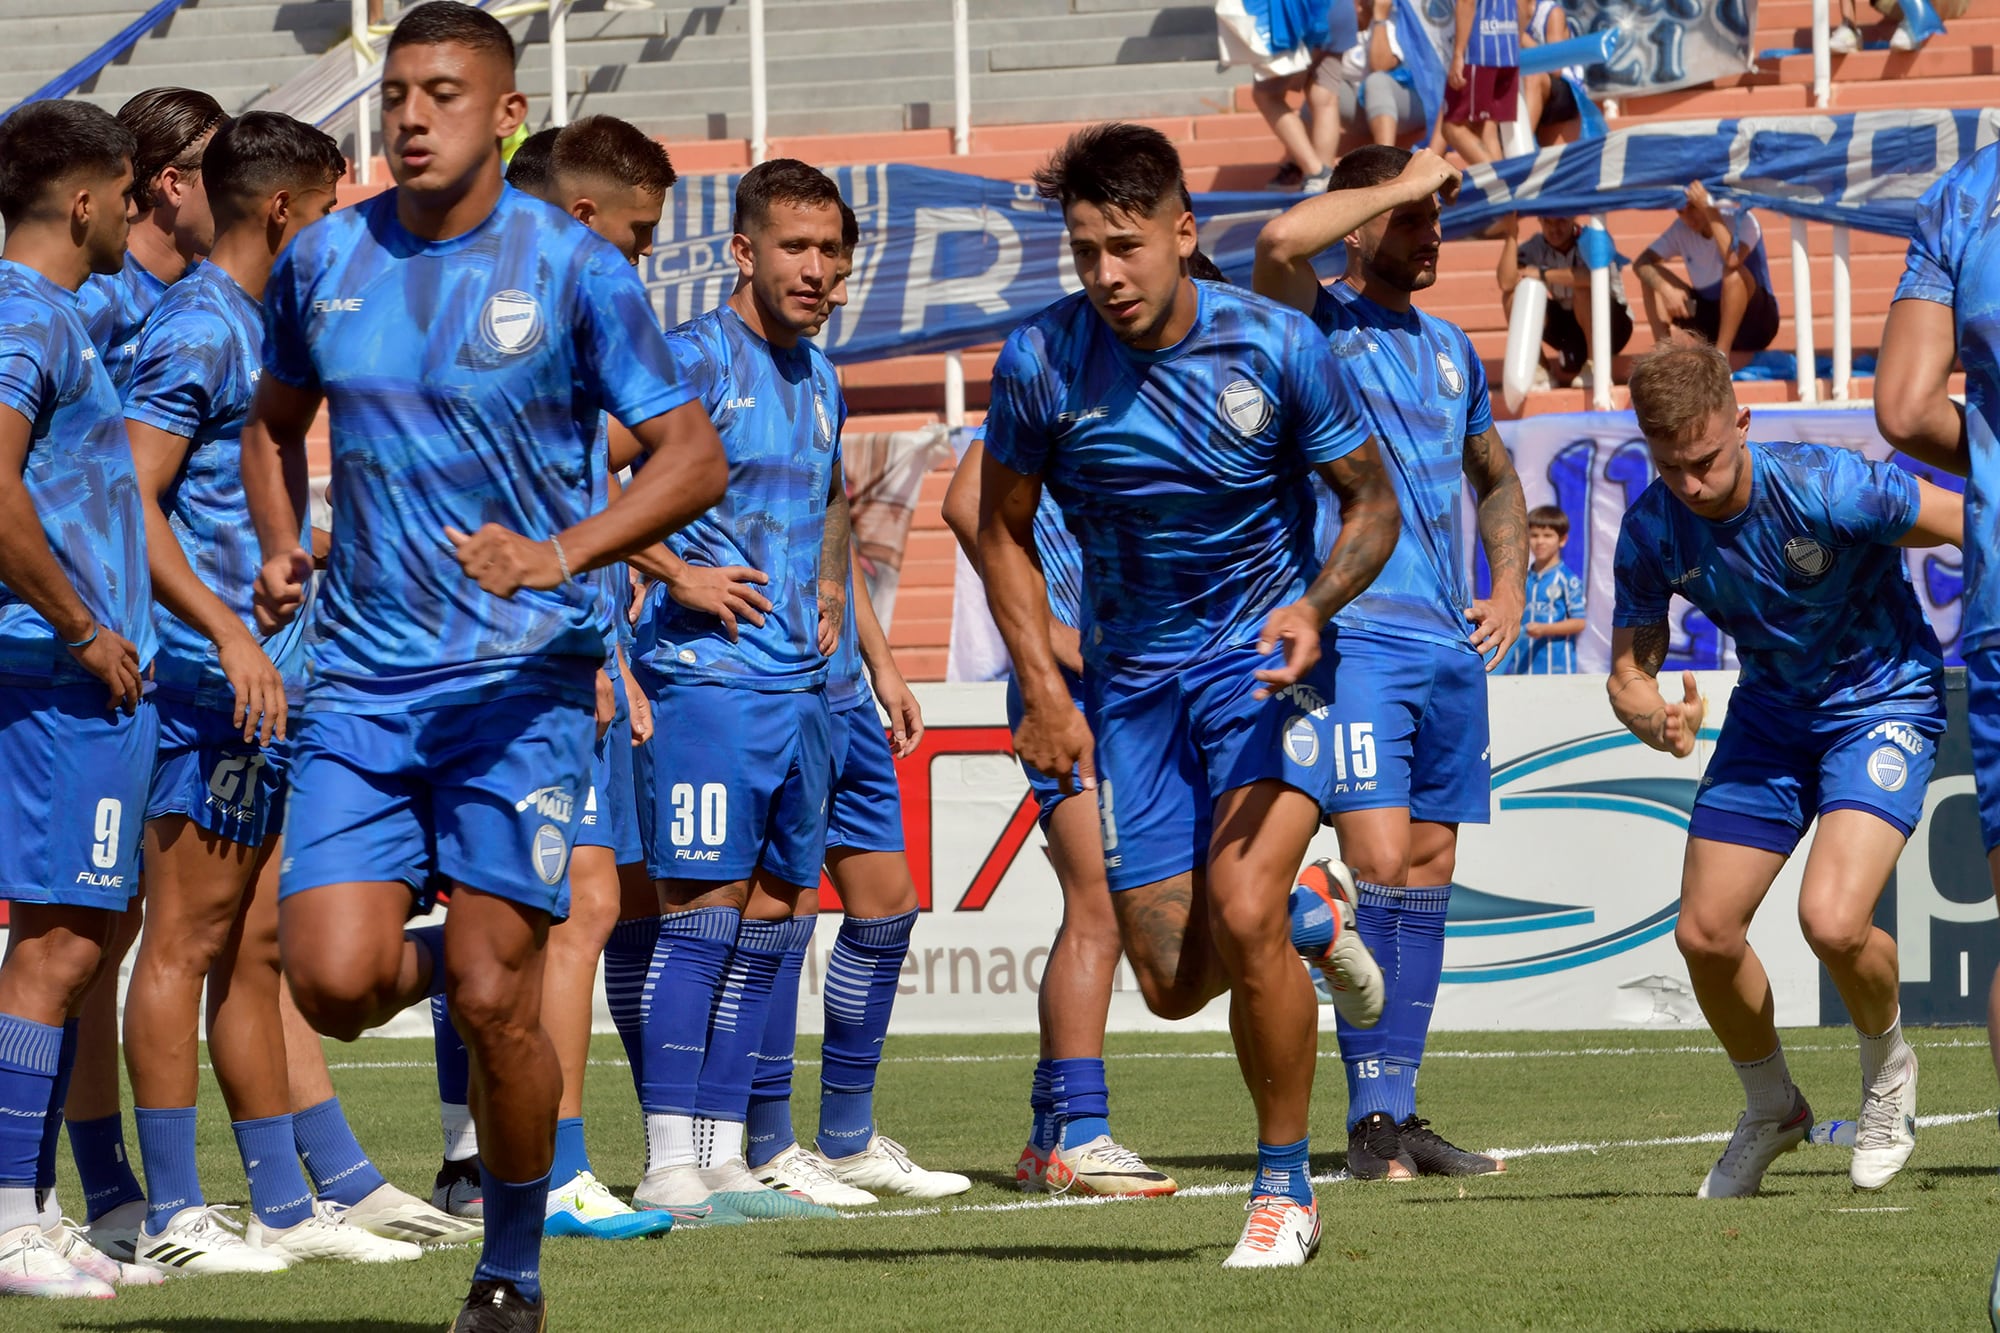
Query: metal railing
[86,69]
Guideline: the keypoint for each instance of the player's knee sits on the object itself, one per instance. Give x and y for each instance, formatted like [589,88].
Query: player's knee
[58,966]
[1836,935]
[489,1007]
[1171,1000]
[1708,943]
[341,1008]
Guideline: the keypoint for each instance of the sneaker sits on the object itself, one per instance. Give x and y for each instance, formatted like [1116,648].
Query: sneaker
[732,1184]
[1888,1131]
[1318,182]
[801,1171]
[1900,40]
[1288,179]
[1436,1157]
[201,1241]
[1586,378]
[1322,900]
[681,1191]
[1106,1168]
[1280,1233]
[499,1307]
[584,1207]
[327,1233]
[1752,1148]
[31,1266]
[458,1191]
[116,1232]
[395,1214]
[1844,40]
[1031,1169]
[1375,1150]
[67,1239]
[884,1167]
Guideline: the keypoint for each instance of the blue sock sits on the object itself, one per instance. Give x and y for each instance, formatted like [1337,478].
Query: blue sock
[1420,940]
[431,940]
[572,1157]
[627,956]
[769,1131]
[736,1029]
[1082,1102]
[861,978]
[1282,1169]
[681,984]
[454,1063]
[45,1161]
[1041,1106]
[166,1145]
[278,1190]
[513,1248]
[103,1167]
[340,1170]
[30,1054]
[1364,1051]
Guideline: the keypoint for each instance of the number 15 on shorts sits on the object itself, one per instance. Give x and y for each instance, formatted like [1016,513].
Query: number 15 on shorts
[1353,747]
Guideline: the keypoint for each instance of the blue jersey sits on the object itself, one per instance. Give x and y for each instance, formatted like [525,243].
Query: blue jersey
[779,413]
[1496,35]
[1422,390]
[1805,579]
[1062,561]
[78,473]
[464,379]
[1185,474]
[194,374]
[1954,260]
[1555,594]
[114,307]
[614,582]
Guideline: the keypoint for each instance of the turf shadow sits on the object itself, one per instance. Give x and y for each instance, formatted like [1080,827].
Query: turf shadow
[1571,1196]
[1072,1254]
[253,1324]
[1239,1163]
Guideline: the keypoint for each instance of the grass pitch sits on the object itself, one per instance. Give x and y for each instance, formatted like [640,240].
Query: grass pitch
[1594,1225]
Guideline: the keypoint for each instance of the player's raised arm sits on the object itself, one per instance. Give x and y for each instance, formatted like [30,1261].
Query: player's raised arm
[1503,531]
[1913,405]
[1288,242]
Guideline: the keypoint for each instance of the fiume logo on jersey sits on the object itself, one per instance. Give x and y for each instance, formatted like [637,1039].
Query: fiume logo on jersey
[512,321]
[1888,769]
[1448,376]
[1245,407]
[550,854]
[1808,558]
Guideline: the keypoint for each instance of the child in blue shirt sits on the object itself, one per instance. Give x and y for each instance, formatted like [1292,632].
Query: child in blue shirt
[1554,615]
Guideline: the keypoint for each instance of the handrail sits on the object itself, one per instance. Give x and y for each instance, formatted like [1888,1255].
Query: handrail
[87,68]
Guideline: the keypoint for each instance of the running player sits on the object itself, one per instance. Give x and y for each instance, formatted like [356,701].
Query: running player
[1409,718]
[1179,426]
[73,587]
[172,232]
[612,178]
[1070,1145]
[451,660]
[864,860]
[218,787]
[733,794]
[1792,551]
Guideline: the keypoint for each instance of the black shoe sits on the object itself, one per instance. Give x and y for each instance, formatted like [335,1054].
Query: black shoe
[1435,1157]
[1287,181]
[458,1188]
[1375,1151]
[496,1307]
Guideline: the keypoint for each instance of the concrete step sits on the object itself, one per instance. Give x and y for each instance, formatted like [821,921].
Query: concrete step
[1091,53]
[45,61]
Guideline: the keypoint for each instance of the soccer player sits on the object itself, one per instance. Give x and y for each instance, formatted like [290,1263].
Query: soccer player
[218,788]
[1409,717]
[1070,1145]
[465,339]
[1180,427]
[75,620]
[732,651]
[612,178]
[1793,550]
[1555,612]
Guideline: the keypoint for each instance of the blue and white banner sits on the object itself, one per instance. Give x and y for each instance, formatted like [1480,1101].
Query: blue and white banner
[1663,46]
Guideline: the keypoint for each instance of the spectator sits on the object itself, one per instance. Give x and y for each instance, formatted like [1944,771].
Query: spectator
[1483,86]
[1553,113]
[1726,296]
[1914,23]
[1369,80]
[1554,615]
[1553,255]
[1276,39]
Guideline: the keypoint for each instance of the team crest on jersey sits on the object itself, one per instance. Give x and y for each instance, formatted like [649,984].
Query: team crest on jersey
[550,855]
[1449,376]
[1808,558]
[511,322]
[1245,407]
[822,423]
[1888,769]
[1302,740]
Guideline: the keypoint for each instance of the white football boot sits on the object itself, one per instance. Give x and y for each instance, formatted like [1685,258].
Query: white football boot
[67,1239]
[1887,1133]
[201,1241]
[1280,1233]
[801,1171]
[327,1233]
[30,1266]
[1752,1148]
[1107,1168]
[395,1214]
[884,1167]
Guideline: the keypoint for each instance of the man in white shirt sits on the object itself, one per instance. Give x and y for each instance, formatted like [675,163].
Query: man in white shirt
[1726,296]
[1552,255]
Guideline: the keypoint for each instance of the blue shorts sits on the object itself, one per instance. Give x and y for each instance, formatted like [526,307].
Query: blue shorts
[735,779]
[206,771]
[866,808]
[1775,767]
[1048,792]
[1982,715]
[610,811]
[1408,728]
[1169,746]
[484,794]
[77,775]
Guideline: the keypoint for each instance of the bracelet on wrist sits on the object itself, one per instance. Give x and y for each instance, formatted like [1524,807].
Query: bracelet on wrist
[562,561]
[87,639]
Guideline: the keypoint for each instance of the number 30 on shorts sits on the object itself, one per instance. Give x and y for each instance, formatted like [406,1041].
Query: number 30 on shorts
[714,811]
